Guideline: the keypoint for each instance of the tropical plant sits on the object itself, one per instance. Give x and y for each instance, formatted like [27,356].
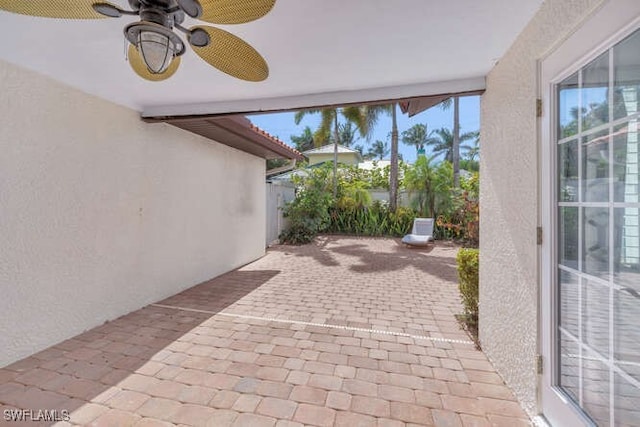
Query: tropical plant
[455,140]
[429,186]
[374,220]
[380,176]
[378,150]
[468,274]
[354,195]
[472,150]
[329,120]
[417,135]
[349,175]
[463,220]
[442,143]
[308,213]
[469,165]
[418,179]
[445,192]
[305,141]
[347,134]
[472,186]
[373,112]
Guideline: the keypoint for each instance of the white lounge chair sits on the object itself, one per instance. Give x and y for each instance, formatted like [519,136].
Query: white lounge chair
[421,234]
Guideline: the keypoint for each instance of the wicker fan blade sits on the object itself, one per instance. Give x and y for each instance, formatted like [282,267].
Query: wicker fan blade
[232,55]
[65,9]
[234,11]
[138,65]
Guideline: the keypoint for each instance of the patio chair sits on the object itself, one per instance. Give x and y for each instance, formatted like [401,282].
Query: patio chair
[421,234]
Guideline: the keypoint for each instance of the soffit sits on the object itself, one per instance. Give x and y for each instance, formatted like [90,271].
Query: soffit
[319,52]
[239,133]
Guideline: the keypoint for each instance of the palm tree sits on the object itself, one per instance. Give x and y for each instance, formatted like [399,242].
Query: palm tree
[329,120]
[418,179]
[347,134]
[455,148]
[305,141]
[373,112]
[473,149]
[393,171]
[417,136]
[443,143]
[378,150]
[430,186]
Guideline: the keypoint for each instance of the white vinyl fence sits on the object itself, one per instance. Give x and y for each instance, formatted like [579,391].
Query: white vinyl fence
[278,193]
[404,198]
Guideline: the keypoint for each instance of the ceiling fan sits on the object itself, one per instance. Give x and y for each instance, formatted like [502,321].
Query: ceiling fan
[154,48]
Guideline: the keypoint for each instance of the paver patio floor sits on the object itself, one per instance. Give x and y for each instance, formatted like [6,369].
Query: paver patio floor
[344,331]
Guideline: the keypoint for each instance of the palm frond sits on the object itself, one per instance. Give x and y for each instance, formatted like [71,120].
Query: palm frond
[446,104]
[300,114]
[469,136]
[372,114]
[356,115]
[324,131]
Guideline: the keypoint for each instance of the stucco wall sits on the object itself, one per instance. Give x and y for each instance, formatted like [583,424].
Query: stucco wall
[345,158]
[102,213]
[509,199]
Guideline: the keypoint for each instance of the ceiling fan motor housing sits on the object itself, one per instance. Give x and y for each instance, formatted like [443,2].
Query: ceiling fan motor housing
[165,13]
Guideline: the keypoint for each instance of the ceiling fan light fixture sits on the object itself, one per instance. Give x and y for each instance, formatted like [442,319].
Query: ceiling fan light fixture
[157,51]
[157,45]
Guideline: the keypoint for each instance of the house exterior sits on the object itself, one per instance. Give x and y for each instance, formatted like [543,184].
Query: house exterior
[323,154]
[557,306]
[103,213]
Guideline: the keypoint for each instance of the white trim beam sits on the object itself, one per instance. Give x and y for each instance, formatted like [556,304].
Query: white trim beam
[317,99]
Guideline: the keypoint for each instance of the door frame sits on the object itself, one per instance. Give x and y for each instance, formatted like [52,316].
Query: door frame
[601,29]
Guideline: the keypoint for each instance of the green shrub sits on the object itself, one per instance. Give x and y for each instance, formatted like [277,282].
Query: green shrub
[298,234]
[308,215]
[374,178]
[462,220]
[374,220]
[353,196]
[430,186]
[468,274]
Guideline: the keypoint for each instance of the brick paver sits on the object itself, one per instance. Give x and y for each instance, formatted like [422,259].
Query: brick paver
[343,331]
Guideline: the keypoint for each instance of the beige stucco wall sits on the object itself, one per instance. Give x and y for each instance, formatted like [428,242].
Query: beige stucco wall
[345,158]
[509,199]
[102,213]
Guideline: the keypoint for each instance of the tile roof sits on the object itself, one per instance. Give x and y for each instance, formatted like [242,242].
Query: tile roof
[274,139]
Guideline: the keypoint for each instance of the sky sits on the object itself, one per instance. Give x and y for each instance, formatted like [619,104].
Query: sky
[282,125]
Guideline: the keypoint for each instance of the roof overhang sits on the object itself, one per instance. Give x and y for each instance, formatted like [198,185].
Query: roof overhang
[239,133]
[417,105]
[372,50]
[328,99]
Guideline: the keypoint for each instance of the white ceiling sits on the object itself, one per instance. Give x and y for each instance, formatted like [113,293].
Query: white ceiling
[316,47]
